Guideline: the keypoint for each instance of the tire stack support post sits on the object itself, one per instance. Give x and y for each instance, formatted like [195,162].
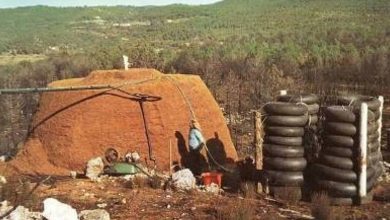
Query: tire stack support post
[374,155]
[258,141]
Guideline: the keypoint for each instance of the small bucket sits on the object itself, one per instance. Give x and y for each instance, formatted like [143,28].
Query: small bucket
[212,177]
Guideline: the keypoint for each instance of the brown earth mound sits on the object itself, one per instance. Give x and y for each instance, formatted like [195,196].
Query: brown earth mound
[72,127]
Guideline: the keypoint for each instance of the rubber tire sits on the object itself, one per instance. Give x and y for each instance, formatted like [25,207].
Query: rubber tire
[284,131]
[377,114]
[313,109]
[283,178]
[313,120]
[371,183]
[284,164]
[336,162]
[283,151]
[378,170]
[279,140]
[284,108]
[334,174]
[371,170]
[308,99]
[339,151]
[339,141]
[374,157]
[337,189]
[339,114]
[373,146]
[340,128]
[373,137]
[372,127]
[345,114]
[341,201]
[286,121]
[356,100]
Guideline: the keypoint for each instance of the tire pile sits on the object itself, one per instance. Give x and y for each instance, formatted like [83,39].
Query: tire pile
[291,144]
[374,155]
[335,170]
[283,150]
[312,103]
[311,142]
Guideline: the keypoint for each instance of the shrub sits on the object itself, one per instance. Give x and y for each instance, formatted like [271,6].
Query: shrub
[320,206]
[242,209]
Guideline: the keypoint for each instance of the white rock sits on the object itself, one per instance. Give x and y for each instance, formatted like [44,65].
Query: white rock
[133,157]
[73,174]
[95,167]
[3,180]
[128,177]
[102,205]
[22,213]
[97,214]
[183,179]
[3,158]
[213,188]
[56,210]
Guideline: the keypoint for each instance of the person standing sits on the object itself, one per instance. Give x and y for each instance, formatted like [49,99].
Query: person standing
[196,142]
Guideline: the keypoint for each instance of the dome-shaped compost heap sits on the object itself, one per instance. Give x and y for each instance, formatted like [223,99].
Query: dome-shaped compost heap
[71,127]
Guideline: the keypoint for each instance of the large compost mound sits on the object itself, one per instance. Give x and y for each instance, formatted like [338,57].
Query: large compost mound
[71,127]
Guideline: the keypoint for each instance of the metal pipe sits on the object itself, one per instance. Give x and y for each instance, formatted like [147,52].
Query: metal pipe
[47,89]
[151,157]
[363,150]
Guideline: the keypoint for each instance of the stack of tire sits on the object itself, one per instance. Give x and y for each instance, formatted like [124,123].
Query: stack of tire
[374,155]
[335,170]
[283,149]
[311,143]
[311,100]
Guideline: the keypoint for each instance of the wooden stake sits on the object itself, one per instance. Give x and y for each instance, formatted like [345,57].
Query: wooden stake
[258,147]
[170,157]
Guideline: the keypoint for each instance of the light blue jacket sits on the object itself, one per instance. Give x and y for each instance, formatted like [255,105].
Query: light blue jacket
[195,139]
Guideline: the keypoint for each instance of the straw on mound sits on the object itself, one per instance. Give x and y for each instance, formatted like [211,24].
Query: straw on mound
[72,127]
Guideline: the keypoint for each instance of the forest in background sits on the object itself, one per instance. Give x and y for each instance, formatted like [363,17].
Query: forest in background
[244,50]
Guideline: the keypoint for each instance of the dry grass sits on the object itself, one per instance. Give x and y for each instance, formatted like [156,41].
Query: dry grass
[239,210]
[321,208]
[156,182]
[248,189]
[19,193]
[138,182]
[291,195]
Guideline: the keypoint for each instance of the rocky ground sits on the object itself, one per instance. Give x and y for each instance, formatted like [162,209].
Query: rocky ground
[123,200]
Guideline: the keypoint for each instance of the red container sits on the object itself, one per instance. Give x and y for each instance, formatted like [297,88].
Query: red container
[212,177]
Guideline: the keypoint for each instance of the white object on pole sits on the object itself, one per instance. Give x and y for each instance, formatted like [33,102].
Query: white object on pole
[363,150]
[382,101]
[283,92]
[126,62]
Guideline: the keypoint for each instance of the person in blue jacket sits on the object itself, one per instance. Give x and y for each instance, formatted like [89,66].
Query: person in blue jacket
[195,140]
[196,143]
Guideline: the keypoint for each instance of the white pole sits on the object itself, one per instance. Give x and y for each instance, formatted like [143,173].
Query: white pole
[283,92]
[382,100]
[363,150]
[126,62]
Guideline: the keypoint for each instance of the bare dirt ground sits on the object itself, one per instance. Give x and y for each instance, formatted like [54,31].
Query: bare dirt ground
[122,202]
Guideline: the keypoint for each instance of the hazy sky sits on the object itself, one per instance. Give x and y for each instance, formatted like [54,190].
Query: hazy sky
[64,3]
